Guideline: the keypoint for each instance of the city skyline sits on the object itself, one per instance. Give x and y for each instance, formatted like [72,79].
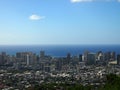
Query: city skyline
[55,22]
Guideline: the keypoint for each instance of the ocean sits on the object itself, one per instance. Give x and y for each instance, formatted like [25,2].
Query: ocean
[59,50]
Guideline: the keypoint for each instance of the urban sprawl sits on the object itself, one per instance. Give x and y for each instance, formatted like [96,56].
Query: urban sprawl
[27,69]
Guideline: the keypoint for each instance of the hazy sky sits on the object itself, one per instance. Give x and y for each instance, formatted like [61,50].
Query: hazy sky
[59,22]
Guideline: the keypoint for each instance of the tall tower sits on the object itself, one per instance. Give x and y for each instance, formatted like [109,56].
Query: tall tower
[113,56]
[42,54]
[86,56]
[118,59]
[91,59]
[80,58]
[68,58]
[28,60]
[107,56]
[3,58]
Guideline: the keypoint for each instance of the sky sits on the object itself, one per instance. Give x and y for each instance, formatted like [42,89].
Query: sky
[59,22]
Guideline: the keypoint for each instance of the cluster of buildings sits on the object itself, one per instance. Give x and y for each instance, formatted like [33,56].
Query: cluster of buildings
[27,69]
[27,59]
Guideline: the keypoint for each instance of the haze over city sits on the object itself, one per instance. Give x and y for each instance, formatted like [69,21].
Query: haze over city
[36,22]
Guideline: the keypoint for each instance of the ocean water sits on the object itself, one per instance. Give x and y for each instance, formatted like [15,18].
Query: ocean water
[59,50]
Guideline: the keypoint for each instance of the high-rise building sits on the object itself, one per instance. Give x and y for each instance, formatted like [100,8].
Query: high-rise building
[18,55]
[118,59]
[3,58]
[113,56]
[0,59]
[86,56]
[58,65]
[42,65]
[107,56]
[91,59]
[68,57]
[42,54]
[26,58]
[100,56]
[80,58]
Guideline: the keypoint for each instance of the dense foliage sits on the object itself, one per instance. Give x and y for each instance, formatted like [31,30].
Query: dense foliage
[112,83]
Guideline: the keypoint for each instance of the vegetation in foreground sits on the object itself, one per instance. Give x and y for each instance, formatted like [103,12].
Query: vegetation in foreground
[112,83]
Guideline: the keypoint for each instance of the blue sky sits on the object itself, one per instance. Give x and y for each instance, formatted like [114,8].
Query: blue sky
[76,22]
